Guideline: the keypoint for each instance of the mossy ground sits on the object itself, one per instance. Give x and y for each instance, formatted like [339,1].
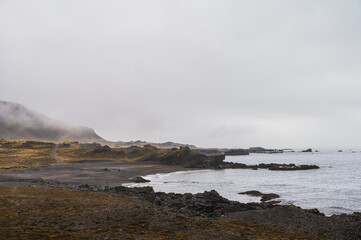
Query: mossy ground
[20,155]
[46,213]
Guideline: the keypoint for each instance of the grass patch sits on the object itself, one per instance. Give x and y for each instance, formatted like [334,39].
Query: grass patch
[22,155]
[73,151]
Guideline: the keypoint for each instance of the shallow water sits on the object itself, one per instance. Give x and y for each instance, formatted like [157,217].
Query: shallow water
[334,188]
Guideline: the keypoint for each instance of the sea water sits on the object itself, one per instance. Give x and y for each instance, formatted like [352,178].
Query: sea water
[333,189]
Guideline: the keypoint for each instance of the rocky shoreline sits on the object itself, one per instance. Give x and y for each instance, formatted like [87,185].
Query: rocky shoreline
[211,205]
[269,166]
[99,176]
[190,159]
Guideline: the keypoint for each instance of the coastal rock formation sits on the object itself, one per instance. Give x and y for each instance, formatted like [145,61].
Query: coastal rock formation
[236,152]
[307,150]
[190,159]
[263,150]
[207,204]
[210,204]
[269,166]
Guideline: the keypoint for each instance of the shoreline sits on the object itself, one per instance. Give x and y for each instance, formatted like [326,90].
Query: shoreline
[104,173]
[93,172]
[107,177]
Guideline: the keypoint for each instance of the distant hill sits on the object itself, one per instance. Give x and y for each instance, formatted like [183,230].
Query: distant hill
[19,123]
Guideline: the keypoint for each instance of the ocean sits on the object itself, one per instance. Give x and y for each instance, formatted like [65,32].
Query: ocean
[335,188]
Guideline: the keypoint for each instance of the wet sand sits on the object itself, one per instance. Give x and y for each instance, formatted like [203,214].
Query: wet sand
[92,172]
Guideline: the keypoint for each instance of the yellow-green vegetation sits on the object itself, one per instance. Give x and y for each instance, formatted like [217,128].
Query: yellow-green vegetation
[21,154]
[46,213]
[72,151]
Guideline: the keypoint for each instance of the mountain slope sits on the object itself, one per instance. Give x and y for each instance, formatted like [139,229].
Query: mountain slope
[18,122]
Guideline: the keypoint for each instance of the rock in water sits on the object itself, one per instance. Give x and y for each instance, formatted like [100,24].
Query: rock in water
[307,150]
[139,180]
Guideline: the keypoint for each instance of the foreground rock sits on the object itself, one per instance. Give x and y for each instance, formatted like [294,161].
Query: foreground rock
[23,220]
[315,225]
[48,213]
[211,205]
[207,204]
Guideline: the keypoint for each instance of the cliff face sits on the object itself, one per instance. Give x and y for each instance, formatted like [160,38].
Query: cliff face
[19,123]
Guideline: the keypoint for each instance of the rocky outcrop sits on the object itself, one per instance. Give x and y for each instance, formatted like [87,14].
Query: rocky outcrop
[190,159]
[104,149]
[269,166]
[263,150]
[236,152]
[207,204]
[208,151]
[307,150]
[187,158]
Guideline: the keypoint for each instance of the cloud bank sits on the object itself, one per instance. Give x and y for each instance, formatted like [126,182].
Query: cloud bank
[210,73]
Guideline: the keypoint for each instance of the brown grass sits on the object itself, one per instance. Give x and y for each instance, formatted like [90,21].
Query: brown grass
[76,152]
[18,155]
[44,213]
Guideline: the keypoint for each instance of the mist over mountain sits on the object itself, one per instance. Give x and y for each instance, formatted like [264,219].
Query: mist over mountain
[18,122]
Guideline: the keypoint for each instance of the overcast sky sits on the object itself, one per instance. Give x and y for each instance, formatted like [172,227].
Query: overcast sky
[214,73]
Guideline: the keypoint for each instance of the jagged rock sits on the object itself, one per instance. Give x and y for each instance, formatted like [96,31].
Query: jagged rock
[207,204]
